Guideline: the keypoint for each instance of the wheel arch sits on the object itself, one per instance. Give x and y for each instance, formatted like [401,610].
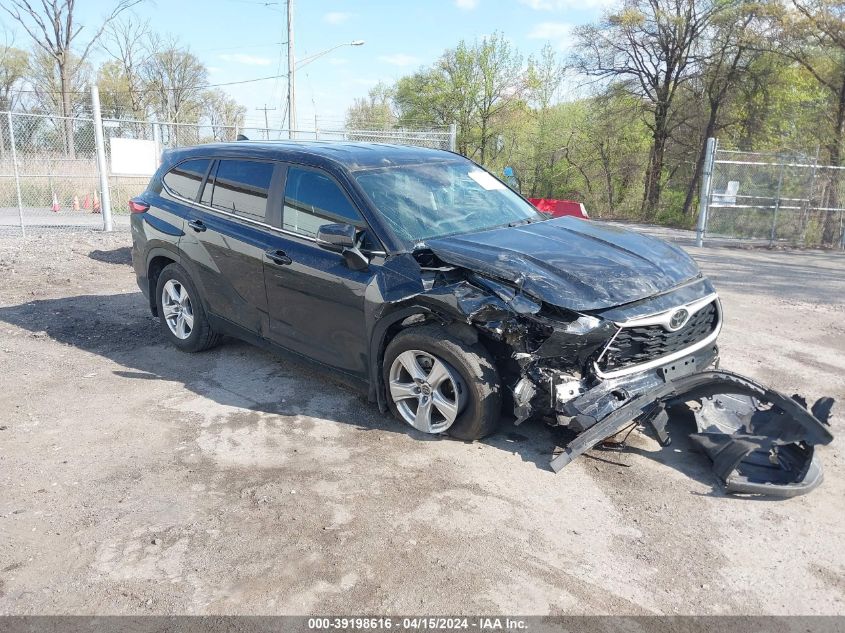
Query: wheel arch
[157,260]
[389,325]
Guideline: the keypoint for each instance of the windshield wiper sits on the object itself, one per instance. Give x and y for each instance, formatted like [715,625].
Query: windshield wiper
[521,222]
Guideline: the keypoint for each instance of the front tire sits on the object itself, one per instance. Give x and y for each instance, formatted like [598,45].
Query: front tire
[181,312]
[438,383]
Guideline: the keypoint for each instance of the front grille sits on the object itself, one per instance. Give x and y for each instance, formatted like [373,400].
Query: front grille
[637,345]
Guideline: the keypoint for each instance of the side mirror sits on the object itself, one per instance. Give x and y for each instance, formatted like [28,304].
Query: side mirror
[336,237]
[343,238]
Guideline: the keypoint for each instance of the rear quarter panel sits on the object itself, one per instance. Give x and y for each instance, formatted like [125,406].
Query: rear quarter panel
[157,231]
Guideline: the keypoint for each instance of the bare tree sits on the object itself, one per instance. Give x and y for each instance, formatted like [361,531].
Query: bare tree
[126,42]
[53,29]
[732,44]
[47,85]
[651,47]
[176,79]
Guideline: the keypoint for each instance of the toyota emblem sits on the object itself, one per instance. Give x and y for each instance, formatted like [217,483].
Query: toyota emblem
[678,319]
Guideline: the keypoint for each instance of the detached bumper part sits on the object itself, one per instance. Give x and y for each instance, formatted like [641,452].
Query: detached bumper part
[760,441]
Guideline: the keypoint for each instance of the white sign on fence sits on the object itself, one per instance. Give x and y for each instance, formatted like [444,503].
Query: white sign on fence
[133,157]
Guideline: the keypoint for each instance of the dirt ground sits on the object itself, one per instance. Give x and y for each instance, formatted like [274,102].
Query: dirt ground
[138,479]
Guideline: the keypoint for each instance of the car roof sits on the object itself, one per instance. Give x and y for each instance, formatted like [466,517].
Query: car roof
[349,155]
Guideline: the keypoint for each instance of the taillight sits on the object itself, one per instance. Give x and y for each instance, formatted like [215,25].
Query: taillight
[138,207]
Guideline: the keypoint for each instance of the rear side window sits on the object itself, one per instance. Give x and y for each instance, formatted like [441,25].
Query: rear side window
[313,199]
[240,187]
[185,179]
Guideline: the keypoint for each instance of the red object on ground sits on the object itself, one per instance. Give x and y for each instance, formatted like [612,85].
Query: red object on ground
[560,208]
[55,208]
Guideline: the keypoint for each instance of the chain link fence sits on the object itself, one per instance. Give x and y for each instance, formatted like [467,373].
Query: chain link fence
[787,199]
[50,174]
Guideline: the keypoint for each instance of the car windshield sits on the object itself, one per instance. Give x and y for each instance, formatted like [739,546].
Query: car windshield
[442,198]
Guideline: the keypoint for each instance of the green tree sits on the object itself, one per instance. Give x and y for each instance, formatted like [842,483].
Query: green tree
[813,36]
[14,67]
[473,85]
[115,91]
[224,114]
[375,112]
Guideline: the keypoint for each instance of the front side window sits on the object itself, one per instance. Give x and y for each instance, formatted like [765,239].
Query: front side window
[241,187]
[185,179]
[436,199]
[313,199]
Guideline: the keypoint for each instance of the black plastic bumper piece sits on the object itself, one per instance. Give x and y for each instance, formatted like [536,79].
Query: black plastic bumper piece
[760,441]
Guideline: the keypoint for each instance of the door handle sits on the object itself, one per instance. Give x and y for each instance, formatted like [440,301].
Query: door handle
[278,257]
[197,225]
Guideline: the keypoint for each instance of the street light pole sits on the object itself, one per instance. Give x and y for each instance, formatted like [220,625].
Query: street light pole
[292,68]
[291,71]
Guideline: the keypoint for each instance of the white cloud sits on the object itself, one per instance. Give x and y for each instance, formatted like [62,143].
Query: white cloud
[336,17]
[400,59]
[249,60]
[466,5]
[550,31]
[561,5]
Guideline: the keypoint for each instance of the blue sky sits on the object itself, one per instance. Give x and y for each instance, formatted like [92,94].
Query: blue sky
[240,39]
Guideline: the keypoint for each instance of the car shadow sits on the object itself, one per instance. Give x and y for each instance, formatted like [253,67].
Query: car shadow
[119,327]
[122,255]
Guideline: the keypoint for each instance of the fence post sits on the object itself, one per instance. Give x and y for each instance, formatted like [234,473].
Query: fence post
[704,195]
[842,229]
[453,137]
[157,139]
[105,198]
[17,175]
[805,218]
[777,204]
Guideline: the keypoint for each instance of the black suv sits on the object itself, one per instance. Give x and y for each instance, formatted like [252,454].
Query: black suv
[417,273]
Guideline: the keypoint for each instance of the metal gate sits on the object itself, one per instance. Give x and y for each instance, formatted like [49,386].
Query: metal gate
[774,198]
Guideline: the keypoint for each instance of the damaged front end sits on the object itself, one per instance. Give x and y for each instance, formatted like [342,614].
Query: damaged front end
[600,372]
[760,441]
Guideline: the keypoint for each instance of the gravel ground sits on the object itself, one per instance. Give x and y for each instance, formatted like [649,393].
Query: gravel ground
[137,479]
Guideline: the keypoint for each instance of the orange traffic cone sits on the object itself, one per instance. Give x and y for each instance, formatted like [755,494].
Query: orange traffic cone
[86,204]
[96,203]
[75,205]
[55,208]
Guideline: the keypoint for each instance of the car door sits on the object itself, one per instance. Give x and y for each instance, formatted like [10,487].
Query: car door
[226,238]
[315,301]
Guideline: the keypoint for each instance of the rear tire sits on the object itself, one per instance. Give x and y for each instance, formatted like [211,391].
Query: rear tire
[180,309]
[477,379]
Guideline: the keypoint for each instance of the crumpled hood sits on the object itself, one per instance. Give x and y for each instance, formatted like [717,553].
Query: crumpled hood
[571,263]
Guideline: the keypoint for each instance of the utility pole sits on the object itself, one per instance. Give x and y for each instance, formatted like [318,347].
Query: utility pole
[266,122]
[291,71]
